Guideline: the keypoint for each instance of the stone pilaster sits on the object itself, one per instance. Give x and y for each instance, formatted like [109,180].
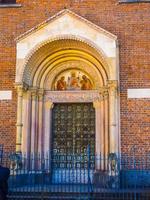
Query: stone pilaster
[48,126]
[27,124]
[113,115]
[97,106]
[48,131]
[19,118]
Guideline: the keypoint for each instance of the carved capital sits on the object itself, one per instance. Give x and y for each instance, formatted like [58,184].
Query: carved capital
[97,104]
[113,87]
[41,94]
[28,94]
[34,93]
[49,105]
[20,90]
[104,93]
[113,84]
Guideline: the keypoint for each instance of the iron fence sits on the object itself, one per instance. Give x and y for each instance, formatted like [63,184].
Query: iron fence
[1,153]
[79,176]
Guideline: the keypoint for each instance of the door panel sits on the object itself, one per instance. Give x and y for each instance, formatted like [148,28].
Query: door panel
[73,130]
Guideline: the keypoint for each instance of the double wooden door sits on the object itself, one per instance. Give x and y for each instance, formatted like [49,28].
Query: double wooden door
[73,131]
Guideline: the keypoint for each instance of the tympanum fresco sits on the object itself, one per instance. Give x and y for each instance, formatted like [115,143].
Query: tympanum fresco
[73,80]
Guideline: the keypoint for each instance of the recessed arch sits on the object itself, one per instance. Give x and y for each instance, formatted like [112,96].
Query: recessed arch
[47,52]
[51,63]
[48,48]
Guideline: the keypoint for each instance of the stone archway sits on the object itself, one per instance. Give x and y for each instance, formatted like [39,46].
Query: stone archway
[38,68]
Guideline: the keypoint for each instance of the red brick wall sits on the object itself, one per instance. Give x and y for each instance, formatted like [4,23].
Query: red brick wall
[130,22]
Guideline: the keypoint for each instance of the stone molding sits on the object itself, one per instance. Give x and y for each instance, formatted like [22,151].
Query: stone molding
[12,5]
[73,96]
[79,41]
[51,31]
[68,65]
[59,14]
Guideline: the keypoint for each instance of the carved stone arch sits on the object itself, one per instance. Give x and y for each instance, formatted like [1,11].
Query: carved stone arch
[44,53]
[34,58]
[49,64]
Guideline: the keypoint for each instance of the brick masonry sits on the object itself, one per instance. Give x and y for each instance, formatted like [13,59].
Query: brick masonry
[130,22]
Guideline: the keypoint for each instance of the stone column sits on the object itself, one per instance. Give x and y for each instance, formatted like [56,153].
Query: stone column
[26,131]
[40,123]
[97,106]
[48,126]
[34,117]
[19,119]
[28,122]
[106,125]
[112,116]
[48,133]
[26,139]
[102,144]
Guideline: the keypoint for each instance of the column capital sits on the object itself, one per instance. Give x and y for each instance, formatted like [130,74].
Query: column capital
[113,84]
[97,104]
[34,93]
[113,87]
[20,90]
[104,92]
[28,93]
[41,94]
[49,105]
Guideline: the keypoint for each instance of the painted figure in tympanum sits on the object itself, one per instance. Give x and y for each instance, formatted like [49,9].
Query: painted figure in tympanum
[61,84]
[85,83]
[73,82]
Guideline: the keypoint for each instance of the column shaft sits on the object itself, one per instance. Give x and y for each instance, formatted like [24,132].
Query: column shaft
[102,135]
[40,124]
[113,123]
[34,123]
[19,119]
[106,134]
[48,132]
[97,105]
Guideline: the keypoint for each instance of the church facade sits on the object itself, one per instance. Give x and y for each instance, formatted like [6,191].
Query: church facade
[73,74]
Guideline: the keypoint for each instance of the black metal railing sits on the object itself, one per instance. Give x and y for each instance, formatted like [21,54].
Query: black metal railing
[1,153]
[83,176]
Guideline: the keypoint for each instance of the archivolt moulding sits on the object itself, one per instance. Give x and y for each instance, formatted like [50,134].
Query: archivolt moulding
[65,26]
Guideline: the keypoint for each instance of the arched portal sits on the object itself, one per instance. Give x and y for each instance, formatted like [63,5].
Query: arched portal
[68,69]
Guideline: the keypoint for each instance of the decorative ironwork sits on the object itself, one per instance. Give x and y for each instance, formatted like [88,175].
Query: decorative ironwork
[1,152]
[73,130]
[130,180]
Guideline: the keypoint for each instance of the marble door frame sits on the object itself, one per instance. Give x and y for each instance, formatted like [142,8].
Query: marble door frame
[35,107]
